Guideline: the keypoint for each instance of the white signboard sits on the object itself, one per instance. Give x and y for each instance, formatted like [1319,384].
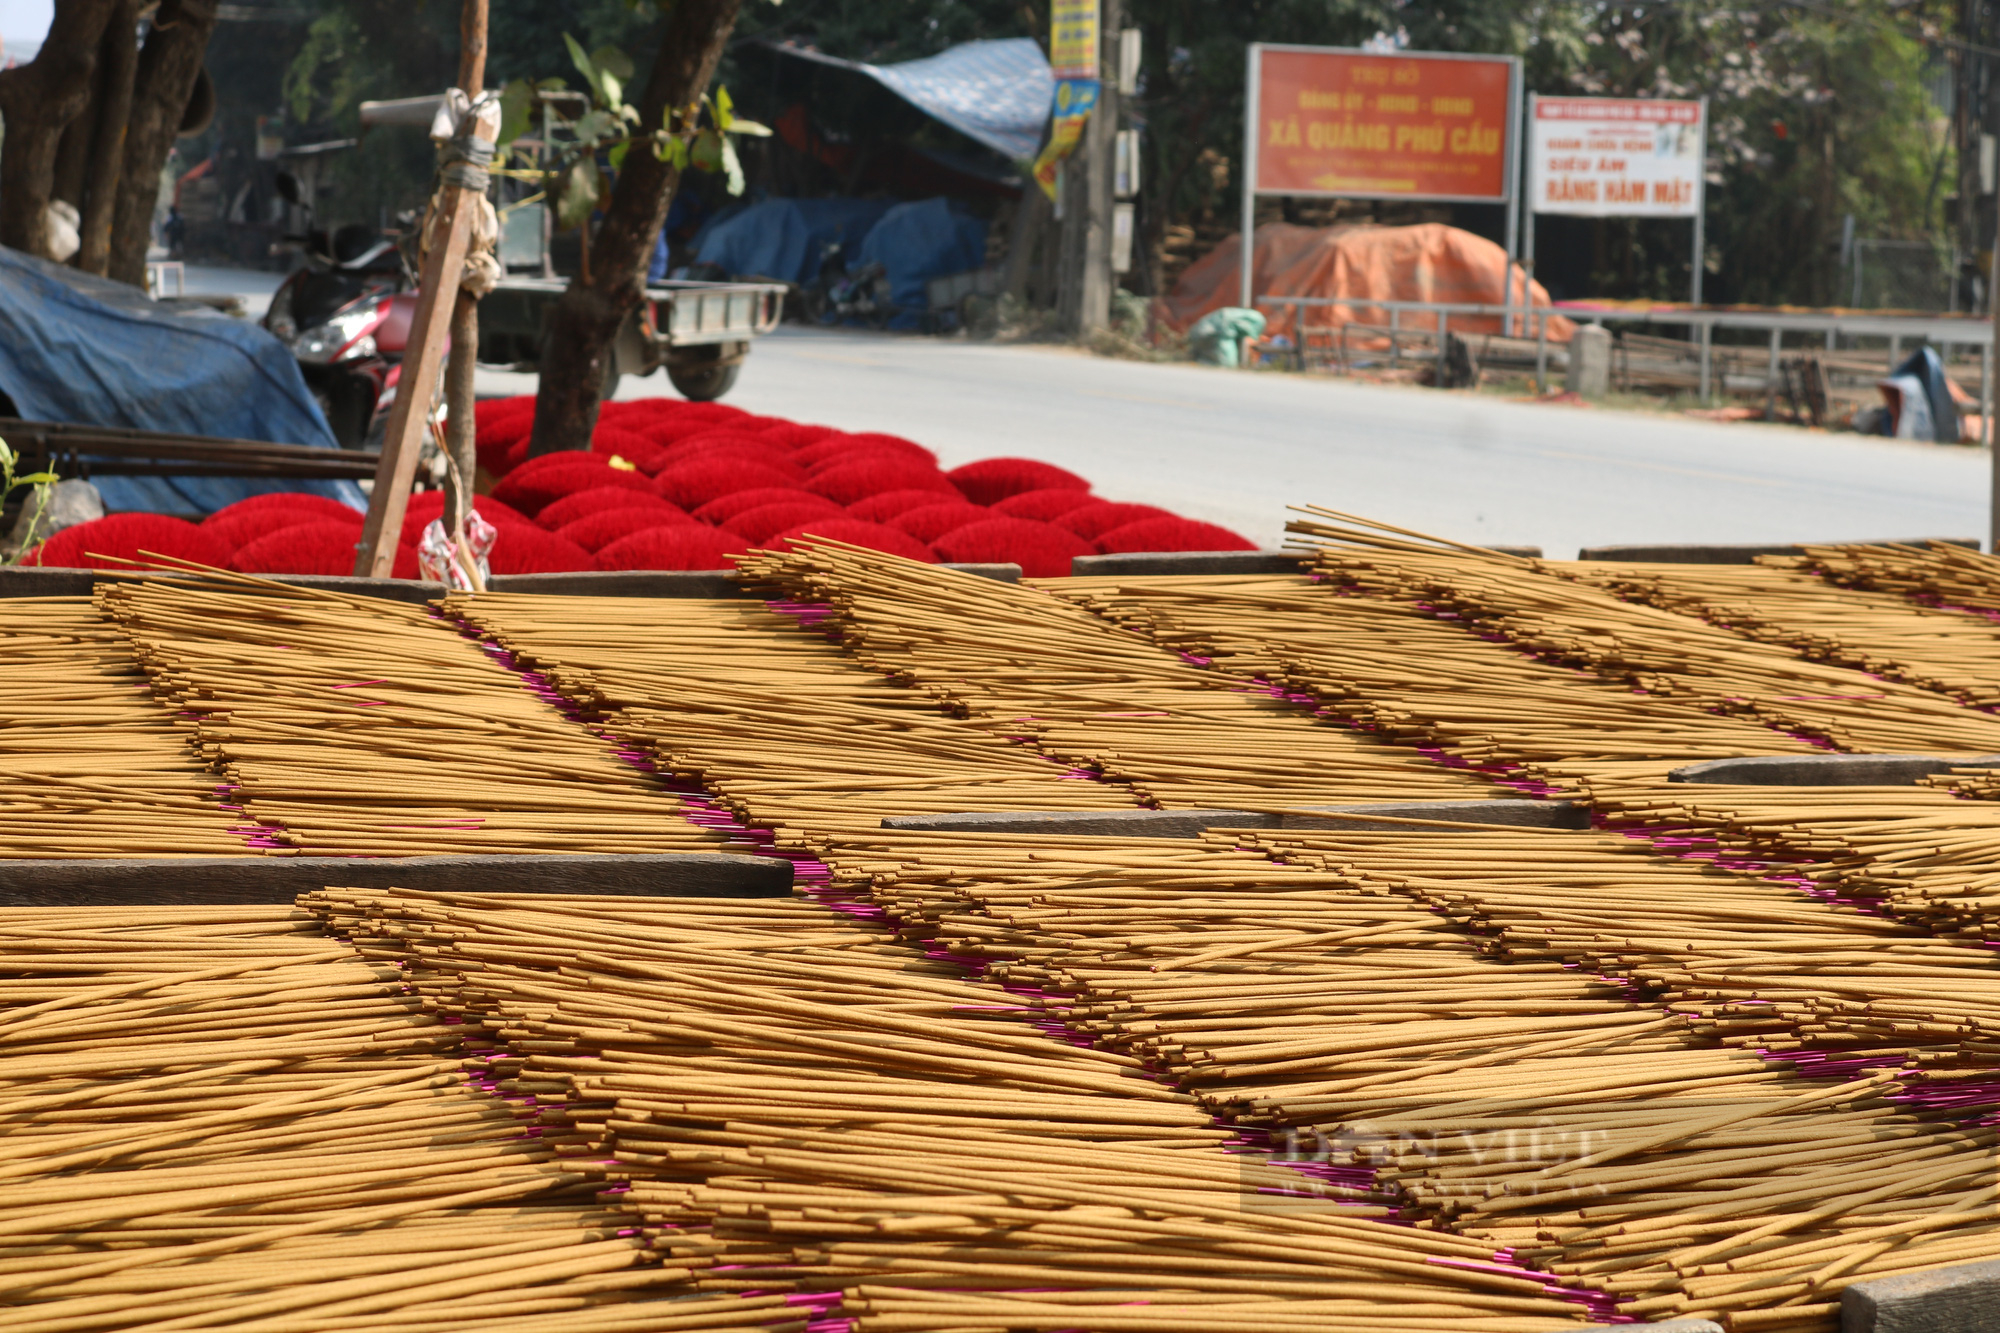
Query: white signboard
[1616,157]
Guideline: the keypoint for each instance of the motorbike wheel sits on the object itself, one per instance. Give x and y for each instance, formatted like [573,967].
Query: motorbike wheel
[706,384]
[704,381]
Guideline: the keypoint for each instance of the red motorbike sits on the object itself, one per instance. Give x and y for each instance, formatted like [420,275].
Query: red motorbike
[346,316]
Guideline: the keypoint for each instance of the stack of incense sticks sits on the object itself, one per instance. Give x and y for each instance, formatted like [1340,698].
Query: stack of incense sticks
[1936,573]
[1757,963]
[774,721]
[800,1105]
[1783,601]
[1588,1127]
[1725,1061]
[223,1118]
[1659,651]
[90,764]
[1395,666]
[368,728]
[1182,734]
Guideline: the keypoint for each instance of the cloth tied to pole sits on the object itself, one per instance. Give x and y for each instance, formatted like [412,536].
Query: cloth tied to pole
[442,560]
[465,158]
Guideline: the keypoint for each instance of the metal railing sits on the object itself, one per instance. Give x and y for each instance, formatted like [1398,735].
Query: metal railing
[1945,331]
[1443,310]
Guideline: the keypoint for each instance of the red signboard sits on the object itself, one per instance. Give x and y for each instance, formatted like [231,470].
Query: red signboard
[1333,122]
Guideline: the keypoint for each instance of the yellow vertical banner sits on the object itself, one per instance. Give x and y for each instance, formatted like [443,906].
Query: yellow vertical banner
[1073,39]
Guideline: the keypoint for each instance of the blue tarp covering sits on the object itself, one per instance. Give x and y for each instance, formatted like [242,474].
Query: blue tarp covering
[83,349]
[919,241]
[998,93]
[783,238]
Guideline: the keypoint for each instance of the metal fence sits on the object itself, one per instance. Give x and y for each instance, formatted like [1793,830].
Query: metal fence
[1901,275]
[1943,331]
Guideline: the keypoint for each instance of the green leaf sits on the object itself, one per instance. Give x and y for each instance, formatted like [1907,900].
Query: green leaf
[517,103]
[612,59]
[723,107]
[738,125]
[579,194]
[706,154]
[593,125]
[617,154]
[673,151]
[38,479]
[580,60]
[610,91]
[731,167]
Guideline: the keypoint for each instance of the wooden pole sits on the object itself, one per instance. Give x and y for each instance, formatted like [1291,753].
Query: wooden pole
[436,302]
[459,395]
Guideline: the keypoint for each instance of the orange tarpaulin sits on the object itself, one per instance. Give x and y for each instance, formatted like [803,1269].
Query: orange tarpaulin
[1429,262]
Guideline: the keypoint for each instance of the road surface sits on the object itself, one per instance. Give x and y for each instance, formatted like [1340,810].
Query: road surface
[1235,448]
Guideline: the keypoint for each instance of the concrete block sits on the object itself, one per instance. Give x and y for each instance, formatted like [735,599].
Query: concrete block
[1964,1298]
[1724,554]
[1826,770]
[998,571]
[36,581]
[1590,361]
[1190,823]
[63,505]
[221,880]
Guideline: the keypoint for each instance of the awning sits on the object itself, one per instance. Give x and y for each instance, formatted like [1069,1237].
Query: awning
[998,93]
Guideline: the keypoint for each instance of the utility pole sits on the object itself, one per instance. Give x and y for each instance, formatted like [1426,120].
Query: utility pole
[1084,277]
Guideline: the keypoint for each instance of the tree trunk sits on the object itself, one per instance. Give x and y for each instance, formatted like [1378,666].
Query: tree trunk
[583,324]
[73,150]
[39,100]
[459,394]
[168,66]
[117,66]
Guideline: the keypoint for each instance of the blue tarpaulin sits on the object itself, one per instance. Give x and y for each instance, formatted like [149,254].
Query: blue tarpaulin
[917,242]
[78,348]
[783,238]
[998,93]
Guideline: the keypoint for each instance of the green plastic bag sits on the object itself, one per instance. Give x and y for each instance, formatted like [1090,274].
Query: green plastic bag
[1217,337]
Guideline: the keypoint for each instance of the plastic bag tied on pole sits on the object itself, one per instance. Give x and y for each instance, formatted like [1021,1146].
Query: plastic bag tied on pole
[458,565]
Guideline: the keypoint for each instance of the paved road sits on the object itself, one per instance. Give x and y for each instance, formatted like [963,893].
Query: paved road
[1236,448]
